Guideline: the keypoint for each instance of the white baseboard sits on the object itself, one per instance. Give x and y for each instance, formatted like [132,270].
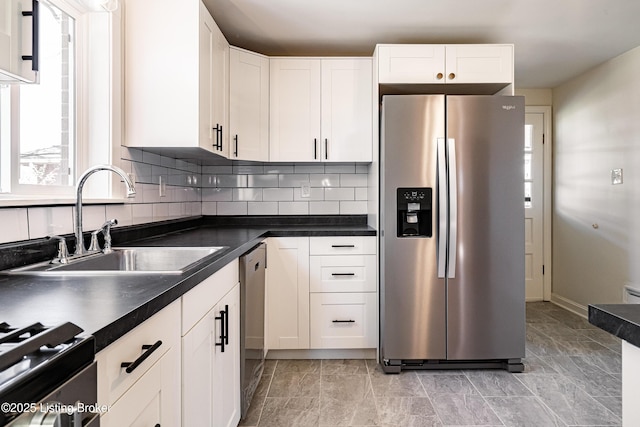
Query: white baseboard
[364,353]
[570,305]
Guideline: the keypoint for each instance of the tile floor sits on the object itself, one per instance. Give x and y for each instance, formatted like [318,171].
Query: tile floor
[572,378]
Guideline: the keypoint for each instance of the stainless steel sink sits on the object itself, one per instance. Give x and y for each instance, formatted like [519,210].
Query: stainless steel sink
[133,260]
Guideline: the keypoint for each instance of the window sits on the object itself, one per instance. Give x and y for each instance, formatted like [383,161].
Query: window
[38,121]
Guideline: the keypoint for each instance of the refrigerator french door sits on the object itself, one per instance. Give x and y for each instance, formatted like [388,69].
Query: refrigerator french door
[452,232]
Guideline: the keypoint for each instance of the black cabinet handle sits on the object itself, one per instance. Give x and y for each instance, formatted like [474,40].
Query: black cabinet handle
[326,149]
[224,328]
[343,246]
[131,366]
[217,130]
[344,321]
[343,274]
[220,146]
[35,35]
[235,153]
[315,148]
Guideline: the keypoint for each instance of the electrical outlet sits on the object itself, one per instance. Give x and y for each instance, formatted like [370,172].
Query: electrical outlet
[305,190]
[616,176]
[162,186]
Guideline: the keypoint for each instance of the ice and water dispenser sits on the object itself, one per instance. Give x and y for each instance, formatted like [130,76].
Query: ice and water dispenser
[414,212]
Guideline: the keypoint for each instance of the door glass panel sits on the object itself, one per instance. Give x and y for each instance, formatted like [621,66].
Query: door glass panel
[528,157]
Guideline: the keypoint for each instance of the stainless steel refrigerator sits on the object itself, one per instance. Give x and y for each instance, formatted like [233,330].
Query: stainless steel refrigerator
[452,232]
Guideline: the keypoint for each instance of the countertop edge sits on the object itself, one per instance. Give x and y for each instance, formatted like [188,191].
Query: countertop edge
[620,320]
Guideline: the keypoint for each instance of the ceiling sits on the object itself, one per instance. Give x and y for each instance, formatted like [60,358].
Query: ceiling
[555,40]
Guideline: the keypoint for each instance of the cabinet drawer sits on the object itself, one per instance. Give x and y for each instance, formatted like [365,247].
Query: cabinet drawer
[113,380]
[343,245]
[350,273]
[197,302]
[343,320]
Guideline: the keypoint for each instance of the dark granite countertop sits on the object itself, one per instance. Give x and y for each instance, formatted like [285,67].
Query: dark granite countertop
[109,306]
[621,320]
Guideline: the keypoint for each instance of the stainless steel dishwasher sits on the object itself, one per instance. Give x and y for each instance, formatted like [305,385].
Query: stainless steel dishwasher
[252,279]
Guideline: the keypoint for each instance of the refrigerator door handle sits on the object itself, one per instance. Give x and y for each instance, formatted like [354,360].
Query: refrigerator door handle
[453,208]
[442,208]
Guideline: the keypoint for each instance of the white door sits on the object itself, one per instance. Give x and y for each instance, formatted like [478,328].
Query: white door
[534,205]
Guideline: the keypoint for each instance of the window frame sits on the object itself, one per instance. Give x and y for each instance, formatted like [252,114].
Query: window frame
[97,110]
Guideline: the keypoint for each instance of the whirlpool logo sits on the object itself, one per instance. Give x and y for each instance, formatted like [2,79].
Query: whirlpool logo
[508,107]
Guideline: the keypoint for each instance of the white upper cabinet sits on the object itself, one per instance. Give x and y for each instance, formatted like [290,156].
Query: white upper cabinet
[321,109]
[425,64]
[176,81]
[16,41]
[248,106]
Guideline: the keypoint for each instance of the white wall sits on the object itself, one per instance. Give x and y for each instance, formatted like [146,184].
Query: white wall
[596,225]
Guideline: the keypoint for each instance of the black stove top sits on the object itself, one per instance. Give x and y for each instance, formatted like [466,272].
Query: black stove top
[36,359]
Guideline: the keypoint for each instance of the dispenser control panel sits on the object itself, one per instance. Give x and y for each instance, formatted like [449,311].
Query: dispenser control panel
[414,213]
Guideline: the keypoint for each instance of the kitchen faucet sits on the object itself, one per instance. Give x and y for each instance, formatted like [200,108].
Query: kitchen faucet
[131,191]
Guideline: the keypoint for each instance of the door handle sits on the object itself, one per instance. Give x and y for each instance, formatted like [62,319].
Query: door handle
[453,208]
[443,213]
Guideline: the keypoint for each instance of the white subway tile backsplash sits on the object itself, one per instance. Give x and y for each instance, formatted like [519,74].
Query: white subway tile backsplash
[339,194]
[247,194]
[93,216]
[292,180]
[123,213]
[308,168]
[277,194]
[262,208]
[15,225]
[217,194]
[324,180]
[362,193]
[232,208]
[247,169]
[142,172]
[209,208]
[340,168]
[315,194]
[324,208]
[293,208]
[353,180]
[151,158]
[45,221]
[217,170]
[262,180]
[362,168]
[142,213]
[168,162]
[278,168]
[160,211]
[353,208]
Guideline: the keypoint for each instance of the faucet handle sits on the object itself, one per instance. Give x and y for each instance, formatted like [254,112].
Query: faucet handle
[106,231]
[63,253]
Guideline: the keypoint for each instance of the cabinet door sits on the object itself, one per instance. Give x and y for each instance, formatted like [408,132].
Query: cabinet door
[343,320]
[198,354]
[249,106]
[226,366]
[153,400]
[347,108]
[479,63]
[418,63]
[15,41]
[288,292]
[206,133]
[220,91]
[294,110]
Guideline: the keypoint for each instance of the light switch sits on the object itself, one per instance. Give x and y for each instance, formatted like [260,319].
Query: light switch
[305,190]
[616,176]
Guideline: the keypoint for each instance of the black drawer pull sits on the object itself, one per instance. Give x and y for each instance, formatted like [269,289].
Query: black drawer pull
[343,274]
[344,321]
[148,349]
[224,328]
[343,246]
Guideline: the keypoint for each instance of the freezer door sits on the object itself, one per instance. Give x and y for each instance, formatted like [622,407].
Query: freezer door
[412,306]
[485,289]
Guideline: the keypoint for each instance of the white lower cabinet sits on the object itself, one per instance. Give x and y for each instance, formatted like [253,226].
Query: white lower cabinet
[139,374]
[343,320]
[321,293]
[211,351]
